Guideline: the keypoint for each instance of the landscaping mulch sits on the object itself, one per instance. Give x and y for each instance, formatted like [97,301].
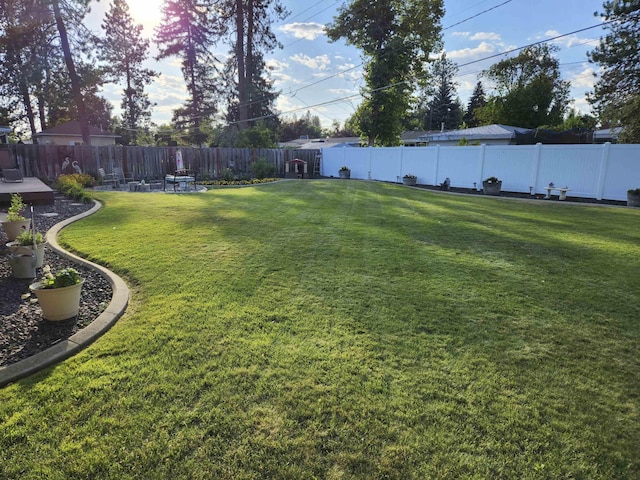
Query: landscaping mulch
[23,331]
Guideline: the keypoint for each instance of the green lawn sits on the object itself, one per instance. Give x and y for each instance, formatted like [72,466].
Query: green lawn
[346,329]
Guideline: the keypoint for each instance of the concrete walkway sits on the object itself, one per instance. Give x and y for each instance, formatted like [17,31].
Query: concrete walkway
[75,343]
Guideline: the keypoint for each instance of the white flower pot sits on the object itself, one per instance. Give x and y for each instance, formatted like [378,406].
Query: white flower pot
[58,303]
[18,249]
[13,229]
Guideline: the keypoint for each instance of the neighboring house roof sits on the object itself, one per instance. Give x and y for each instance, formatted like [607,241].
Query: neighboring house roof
[607,134]
[71,129]
[318,143]
[413,134]
[487,132]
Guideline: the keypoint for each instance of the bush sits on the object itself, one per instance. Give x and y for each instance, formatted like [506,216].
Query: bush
[83,179]
[71,186]
[263,169]
[227,175]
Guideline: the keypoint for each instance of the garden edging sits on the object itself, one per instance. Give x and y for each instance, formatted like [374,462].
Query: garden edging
[86,336]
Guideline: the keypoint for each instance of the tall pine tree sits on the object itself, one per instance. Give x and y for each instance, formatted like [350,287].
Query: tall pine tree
[124,51]
[478,100]
[616,96]
[445,111]
[188,32]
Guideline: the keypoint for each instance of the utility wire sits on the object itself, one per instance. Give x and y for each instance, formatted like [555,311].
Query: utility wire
[476,15]
[294,92]
[386,87]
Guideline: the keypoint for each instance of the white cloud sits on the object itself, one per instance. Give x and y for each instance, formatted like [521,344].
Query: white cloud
[321,62]
[569,41]
[277,70]
[481,50]
[582,106]
[307,31]
[584,79]
[485,36]
[350,71]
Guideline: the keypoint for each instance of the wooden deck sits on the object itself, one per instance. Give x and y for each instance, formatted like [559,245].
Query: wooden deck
[33,191]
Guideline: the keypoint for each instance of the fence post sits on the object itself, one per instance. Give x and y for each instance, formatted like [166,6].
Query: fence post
[535,168]
[602,172]
[483,152]
[437,165]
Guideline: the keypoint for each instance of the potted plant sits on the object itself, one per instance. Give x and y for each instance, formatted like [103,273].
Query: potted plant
[59,294]
[491,186]
[409,179]
[28,242]
[633,197]
[344,172]
[15,222]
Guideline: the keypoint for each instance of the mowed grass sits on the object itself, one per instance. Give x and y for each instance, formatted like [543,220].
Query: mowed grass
[346,329]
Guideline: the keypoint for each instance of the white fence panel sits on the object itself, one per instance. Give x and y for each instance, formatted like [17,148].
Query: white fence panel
[460,165]
[385,163]
[590,171]
[621,172]
[574,166]
[511,164]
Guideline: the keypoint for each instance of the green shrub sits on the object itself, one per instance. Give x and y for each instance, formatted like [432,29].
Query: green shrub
[262,168]
[71,186]
[25,238]
[227,175]
[16,208]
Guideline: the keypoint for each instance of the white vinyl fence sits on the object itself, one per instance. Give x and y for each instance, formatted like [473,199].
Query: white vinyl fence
[591,171]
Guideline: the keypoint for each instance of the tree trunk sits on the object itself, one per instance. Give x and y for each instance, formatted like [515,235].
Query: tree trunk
[75,81]
[243,107]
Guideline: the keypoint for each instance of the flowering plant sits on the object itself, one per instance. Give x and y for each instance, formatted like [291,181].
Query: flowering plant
[344,168]
[410,176]
[64,278]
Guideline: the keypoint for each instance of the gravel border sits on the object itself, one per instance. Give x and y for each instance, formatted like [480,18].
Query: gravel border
[23,331]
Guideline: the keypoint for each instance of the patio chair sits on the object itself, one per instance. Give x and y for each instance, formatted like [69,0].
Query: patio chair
[109,178]
[122,175]
[8,169]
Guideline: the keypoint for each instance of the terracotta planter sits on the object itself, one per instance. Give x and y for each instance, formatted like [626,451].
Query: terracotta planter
[13,229]
[17,249]
[492,188]
[344,173]
[58,303]
[633,199]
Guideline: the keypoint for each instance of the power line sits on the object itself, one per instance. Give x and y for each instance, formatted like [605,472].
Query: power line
[342,72]
[350,97]
[476,15]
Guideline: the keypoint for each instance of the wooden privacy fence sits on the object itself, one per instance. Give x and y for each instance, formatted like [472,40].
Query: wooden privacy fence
[149,163]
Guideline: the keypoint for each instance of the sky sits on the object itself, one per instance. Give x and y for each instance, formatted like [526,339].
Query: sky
[325,77]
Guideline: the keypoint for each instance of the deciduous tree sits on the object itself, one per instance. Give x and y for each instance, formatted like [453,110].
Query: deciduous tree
[529,89]
[395,37]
